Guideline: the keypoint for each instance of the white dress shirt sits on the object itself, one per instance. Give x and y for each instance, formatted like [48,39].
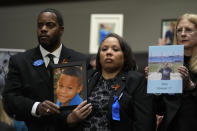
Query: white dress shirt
[44,53]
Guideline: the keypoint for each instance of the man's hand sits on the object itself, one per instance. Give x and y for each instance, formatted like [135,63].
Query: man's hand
[79,113]
[47,108]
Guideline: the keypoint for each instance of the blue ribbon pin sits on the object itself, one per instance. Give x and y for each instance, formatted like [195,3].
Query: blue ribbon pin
[38,62]
[116,109]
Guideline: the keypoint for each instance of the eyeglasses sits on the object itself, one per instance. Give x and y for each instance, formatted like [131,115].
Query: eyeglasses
[186,31]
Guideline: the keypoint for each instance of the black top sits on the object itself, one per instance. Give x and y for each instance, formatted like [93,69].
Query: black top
[99,98]
[180,111]
[188,109]
[136,107]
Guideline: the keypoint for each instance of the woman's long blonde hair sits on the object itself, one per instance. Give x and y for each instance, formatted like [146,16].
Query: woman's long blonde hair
[3,115]
[193,19]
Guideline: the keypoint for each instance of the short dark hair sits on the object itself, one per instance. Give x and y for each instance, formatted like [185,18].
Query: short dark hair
[57,13]
[73,71]
[129,59]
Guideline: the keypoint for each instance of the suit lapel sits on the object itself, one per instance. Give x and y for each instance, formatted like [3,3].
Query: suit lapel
[119,92]
[41,69]
[122,82]
[64,56]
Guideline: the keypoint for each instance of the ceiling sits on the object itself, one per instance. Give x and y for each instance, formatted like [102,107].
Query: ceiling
[27,2]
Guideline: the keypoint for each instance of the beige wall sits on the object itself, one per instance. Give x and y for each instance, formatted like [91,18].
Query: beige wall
[142,21]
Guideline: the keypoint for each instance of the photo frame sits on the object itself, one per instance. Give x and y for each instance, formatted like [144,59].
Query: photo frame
[101,25]
[168,30]
[70,84]
[5,54]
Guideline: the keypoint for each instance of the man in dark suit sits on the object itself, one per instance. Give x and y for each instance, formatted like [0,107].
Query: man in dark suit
[28,94]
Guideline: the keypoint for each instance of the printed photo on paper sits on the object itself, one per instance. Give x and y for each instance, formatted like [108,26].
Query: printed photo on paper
[163,63]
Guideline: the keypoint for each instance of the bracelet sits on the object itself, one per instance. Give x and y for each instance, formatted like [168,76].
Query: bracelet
[194,85]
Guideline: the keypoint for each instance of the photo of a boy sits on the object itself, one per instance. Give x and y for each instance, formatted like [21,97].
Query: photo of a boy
[69,86]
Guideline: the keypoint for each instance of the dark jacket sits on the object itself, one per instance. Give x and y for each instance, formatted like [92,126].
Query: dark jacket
[27,83]
[136,107]
[180,110]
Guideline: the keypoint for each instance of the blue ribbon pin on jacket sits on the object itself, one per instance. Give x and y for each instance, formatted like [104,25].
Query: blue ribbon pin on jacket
[38,62]
[116,109]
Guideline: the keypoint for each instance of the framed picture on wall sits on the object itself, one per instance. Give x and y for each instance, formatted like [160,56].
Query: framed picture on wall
[70,84]
[168,30]
[5,55]
[101,25]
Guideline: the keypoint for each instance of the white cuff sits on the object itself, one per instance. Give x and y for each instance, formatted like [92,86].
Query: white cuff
[33,110]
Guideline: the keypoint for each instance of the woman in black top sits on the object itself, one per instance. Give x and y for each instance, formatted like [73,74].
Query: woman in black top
[180,111]
[117,92]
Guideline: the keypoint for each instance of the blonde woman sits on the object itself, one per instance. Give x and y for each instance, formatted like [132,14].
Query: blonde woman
[180,111]
[6,123]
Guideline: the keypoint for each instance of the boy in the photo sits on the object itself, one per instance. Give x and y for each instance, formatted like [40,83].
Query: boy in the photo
[69,86]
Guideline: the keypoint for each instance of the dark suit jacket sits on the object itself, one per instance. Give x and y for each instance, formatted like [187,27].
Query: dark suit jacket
[136,108]
[27,83]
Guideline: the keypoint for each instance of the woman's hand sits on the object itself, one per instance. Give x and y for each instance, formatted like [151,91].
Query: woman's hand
[79,113]
[162,41]
[146,72]
[187,82]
